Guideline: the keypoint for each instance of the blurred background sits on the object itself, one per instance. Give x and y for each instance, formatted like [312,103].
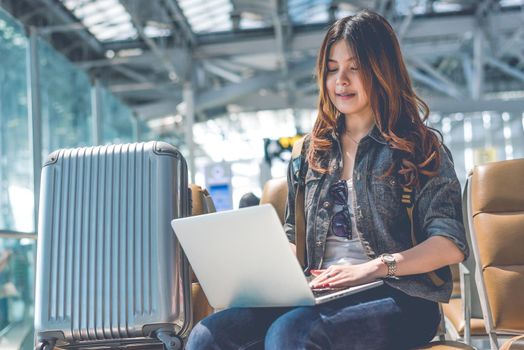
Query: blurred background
[231,84]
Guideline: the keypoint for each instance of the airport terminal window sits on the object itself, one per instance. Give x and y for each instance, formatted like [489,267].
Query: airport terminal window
[146,133]
[478,138]
[117,120]
[65,92]
[16,284]
[66,101]
[238,139]
[15,156]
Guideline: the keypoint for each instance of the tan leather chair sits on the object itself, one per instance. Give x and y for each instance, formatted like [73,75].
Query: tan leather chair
[275,193]
[459,313]
[446,345]
[463,312]
[202,203]
[495,204]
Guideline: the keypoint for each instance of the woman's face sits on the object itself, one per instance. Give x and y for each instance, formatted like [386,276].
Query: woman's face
[344,84]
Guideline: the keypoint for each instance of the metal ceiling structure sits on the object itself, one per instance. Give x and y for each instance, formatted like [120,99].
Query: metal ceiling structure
[242,55]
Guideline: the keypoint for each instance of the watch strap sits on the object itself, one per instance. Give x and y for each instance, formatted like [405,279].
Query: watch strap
[391,265]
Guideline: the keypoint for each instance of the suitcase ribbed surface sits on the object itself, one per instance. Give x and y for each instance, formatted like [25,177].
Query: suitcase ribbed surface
[102,268]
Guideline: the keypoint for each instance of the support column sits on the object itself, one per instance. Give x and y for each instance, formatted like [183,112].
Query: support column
[97,113]
[189,100]
[35,117]
[136,127]
[478,63]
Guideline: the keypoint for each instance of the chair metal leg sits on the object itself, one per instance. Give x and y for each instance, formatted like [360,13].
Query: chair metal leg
[465,290]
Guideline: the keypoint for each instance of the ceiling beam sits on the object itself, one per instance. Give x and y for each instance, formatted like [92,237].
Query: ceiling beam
[68,18]
[436,85]
[232,92]
[221,72]
[144,86]
[157,109]
[443,105]
[510,42]
[275,101]
[130,73]
[180,19]
[421,29]
[506,68]
[159,53]
[111,61]
[426,37]
[453,89]
[451,105]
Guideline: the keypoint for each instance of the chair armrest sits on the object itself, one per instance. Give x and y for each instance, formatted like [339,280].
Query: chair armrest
[465,291]
[514,343]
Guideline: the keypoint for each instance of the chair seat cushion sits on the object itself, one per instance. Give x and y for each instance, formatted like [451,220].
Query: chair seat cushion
[453,312]
[446,345]
[516,343]
[201,307]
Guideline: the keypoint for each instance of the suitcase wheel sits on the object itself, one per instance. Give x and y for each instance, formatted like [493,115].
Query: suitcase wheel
[174,344]
[170,340]
[45,345]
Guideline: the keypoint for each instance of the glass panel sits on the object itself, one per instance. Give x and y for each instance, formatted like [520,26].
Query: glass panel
[66,101]
[482,137]
[16,292]
[145,133]
[16,188]
[516,123]
[117,120]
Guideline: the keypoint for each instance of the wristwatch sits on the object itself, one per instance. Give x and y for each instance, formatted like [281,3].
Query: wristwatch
[391,264]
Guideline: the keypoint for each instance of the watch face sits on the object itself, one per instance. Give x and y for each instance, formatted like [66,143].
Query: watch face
[389,258]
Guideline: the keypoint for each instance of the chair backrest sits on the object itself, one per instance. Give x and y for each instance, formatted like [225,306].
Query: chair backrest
[496,221]
[275,193]
[201,200]
[470,264]
[201,203]
[455,274]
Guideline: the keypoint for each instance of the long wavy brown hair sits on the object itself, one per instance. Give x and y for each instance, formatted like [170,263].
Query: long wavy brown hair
[398,112]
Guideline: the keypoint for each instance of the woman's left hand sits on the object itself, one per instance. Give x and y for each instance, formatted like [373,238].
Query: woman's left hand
[339,276]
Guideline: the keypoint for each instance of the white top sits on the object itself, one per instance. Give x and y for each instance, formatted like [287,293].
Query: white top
[343,251]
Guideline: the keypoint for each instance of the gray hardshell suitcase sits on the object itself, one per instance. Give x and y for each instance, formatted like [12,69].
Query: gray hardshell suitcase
[110,272]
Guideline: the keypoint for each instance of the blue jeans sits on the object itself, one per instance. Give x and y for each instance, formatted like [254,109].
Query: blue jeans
[381,318]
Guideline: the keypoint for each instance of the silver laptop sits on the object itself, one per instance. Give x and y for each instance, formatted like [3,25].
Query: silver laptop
[242,258]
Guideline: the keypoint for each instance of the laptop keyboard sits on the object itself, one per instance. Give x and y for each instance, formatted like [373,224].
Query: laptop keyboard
[324,291]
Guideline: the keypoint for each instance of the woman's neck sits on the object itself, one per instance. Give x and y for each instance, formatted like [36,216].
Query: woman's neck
[358,126]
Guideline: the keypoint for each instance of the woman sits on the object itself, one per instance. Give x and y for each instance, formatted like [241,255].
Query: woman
[368,142]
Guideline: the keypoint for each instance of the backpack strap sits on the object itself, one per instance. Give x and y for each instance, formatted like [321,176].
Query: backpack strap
[407,201]
[297,154]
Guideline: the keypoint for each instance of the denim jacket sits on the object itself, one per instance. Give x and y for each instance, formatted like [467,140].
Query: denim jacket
[381,218]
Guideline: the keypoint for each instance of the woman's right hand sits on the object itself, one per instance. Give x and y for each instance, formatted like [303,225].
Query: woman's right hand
[342,276]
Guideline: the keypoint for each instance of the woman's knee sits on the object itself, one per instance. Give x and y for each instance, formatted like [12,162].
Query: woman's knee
[201,337]
[207,333]
[242,328]
[300,328]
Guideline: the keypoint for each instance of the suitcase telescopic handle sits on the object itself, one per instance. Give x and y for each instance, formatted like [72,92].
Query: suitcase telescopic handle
[186,289]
